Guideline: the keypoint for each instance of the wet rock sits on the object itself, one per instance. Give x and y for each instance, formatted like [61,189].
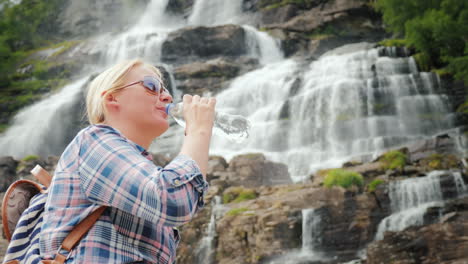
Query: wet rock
[278,15]
[210,76]
[368,169]
[7,172]
[442,144]
[180,6]
[443,242]
[216,164]
[161,159]
[192,43]
[254,170]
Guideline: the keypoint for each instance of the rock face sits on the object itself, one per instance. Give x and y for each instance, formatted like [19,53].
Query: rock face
[204,42]
[312,27]
[7,172]
[443,242]
[254,170]
[210,76]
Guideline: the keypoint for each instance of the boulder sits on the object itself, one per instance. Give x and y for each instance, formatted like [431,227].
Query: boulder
[7,172]
[180,6]
[279,15]
[442,242]
[210,76]
[442,144]
[253,170]
[194,43]
[216,164]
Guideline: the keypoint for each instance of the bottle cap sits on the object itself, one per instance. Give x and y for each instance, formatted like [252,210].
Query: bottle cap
[168,107]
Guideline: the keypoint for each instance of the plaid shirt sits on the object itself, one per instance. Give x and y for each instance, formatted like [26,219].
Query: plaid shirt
[146,202]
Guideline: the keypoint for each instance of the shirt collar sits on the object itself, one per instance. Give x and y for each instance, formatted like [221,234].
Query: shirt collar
[140,149]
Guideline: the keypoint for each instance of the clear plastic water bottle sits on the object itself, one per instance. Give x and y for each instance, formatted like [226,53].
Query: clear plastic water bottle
[233,127]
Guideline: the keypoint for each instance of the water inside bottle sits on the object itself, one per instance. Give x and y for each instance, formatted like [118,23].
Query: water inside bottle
[233,127]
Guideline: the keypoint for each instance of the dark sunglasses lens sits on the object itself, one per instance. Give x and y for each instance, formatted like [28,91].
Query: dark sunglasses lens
[152,84]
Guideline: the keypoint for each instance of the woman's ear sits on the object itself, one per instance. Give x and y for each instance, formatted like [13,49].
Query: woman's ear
[111,102]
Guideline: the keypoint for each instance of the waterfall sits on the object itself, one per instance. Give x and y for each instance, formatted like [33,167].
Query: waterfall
[462,189]
[40,128]
[44,128]
[205,253]
[353,101]
[262,46]
[311,239]
[411,198]
[211,13]
[144,39]
[350,102]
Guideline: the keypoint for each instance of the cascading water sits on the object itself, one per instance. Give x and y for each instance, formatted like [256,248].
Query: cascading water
[411,198]
[311,240]
[42,127]
[211,13]
[351,102]
[144,40]
[205,253]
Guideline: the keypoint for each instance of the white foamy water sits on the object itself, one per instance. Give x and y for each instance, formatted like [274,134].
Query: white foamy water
[312,227]
[350,102]
[39,128]
[212,13]
[411,198]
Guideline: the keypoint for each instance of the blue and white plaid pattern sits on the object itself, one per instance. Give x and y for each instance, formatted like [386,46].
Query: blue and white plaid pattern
[102,167]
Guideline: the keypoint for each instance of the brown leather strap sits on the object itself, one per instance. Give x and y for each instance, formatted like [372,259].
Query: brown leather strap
[42,175]
[59,259]
[80,230]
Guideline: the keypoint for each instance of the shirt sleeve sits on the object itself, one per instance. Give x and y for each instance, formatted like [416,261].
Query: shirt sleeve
[113,173]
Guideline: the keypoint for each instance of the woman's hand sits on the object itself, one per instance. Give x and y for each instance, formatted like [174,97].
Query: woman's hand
[199,115]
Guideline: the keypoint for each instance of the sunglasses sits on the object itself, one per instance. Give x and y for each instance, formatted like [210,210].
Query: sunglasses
[152,84]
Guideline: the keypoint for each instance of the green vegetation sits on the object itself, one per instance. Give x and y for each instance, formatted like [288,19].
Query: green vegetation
[373,185]
[237,211]
[437,29]
[238,194]
[304,4]
[343,178]
[440,162]
[393,43]
[24,28]
[393,160]
[30,158]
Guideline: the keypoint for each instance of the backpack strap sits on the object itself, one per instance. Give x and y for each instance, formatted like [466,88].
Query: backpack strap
[15,201]
[42,175]
[77,233]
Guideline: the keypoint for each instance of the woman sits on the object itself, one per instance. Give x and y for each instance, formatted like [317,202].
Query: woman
[107,164]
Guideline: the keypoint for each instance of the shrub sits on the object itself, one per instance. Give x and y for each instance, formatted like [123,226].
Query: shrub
[393,43]
[440,162]
[373,185]
[30,158]
[393,160]
[343,178]
[238,194]
[237,211]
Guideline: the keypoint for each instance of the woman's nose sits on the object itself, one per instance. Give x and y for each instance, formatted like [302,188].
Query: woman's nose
[165,97]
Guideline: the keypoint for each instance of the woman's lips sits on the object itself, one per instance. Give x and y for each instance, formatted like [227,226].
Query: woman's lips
[162,109]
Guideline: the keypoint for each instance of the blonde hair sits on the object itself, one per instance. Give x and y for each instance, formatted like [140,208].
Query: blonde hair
[108,82]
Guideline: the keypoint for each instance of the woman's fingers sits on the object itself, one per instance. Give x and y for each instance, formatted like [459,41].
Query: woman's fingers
[204,100]
[187,99]
[212,102]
